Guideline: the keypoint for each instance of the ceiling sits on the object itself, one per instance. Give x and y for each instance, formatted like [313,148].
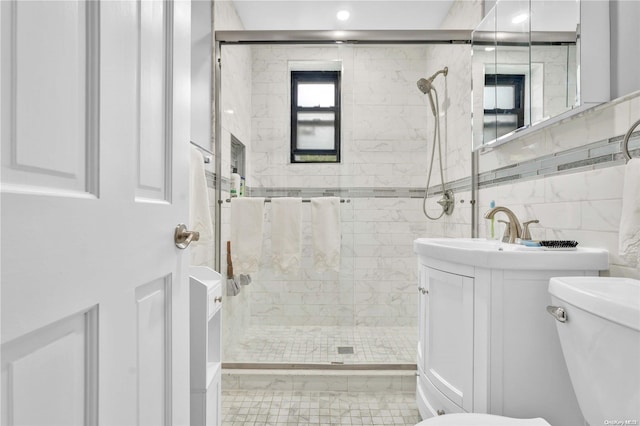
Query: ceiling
[321,14]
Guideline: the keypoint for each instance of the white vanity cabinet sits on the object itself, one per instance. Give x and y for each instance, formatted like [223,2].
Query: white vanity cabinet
[487,344]
[206,355]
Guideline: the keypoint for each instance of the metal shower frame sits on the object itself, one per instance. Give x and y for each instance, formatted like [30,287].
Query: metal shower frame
[320,37]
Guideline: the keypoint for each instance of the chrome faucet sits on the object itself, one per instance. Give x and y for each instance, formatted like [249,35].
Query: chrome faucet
[515,229]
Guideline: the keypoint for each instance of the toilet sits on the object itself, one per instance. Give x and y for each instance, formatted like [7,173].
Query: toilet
[598,322]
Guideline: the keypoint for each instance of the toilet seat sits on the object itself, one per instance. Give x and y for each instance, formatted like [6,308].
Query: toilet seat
[476,419]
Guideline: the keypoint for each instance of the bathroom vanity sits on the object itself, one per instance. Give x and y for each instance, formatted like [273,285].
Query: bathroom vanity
[486,343]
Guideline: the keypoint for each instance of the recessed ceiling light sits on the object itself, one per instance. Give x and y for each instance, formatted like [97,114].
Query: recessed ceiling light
[489,49]
[343,15]
[520,18]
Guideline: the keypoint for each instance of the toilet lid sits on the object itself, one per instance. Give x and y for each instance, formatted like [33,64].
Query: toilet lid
[475,419]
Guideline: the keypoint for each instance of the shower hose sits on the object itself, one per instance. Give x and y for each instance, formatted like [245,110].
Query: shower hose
[436,138]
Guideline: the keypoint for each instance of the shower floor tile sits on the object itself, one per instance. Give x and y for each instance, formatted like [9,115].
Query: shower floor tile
[314,344]
[318,408]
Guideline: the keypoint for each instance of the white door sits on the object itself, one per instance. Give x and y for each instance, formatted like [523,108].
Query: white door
[94,126]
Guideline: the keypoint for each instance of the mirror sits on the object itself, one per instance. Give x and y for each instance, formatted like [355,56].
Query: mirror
[527,66]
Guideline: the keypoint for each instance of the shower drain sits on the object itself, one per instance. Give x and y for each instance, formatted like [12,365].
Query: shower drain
[345,350]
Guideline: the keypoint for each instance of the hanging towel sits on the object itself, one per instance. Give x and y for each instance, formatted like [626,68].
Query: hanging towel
[325,228]
[246,233]
[286,245]
[199,213]
[629,236]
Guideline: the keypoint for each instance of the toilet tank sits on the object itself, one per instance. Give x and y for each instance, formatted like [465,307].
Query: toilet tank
[600,341]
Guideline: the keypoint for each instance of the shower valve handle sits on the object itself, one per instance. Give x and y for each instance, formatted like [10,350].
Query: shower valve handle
[447,202]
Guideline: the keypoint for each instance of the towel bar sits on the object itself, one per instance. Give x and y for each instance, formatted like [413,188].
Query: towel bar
[207,158]
[304,200]
[625,142]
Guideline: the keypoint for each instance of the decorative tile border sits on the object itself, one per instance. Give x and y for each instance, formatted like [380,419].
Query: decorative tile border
[604,153]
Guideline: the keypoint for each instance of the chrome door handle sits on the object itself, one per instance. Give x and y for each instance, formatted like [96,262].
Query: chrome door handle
[423,290]
[183,237]
[558,313]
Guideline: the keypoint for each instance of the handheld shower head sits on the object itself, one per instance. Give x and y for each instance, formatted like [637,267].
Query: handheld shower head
[425,86]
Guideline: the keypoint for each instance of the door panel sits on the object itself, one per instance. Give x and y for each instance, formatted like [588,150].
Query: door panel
[449,351]
[49,115]
[53,368]
[78,232]
[154,145]
[153,354]
[422,317]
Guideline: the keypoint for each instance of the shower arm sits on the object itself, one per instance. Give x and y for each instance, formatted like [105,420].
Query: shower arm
[444,71]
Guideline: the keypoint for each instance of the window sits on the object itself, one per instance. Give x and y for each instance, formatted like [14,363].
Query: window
[503,104]
[315,116]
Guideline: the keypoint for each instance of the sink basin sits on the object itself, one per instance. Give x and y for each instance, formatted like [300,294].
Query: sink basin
[499,255]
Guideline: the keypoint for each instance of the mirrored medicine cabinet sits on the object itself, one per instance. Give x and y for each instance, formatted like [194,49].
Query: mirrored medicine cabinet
[535,62]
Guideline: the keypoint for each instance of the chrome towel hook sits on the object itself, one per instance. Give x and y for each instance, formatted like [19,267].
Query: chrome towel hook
[625,142]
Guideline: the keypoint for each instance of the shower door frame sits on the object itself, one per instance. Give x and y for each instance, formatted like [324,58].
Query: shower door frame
[236,38]
[243,37]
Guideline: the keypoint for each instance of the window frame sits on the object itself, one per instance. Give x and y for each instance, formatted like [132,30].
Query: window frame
[304,77]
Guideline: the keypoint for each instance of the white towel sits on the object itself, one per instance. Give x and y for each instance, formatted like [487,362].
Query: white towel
[199,213]
[246,233]
[286,243]
[325,228]
[629,236]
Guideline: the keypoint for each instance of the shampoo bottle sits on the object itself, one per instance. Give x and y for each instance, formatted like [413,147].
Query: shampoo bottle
[235,183]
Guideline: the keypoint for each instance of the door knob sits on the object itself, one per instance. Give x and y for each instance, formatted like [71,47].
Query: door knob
[183,236]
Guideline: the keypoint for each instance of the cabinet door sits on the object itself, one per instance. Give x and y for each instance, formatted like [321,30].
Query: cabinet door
[422,317]
[213,403]
[448,351]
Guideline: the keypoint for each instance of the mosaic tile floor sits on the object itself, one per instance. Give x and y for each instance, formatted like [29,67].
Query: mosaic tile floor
[249,408]
[299,344]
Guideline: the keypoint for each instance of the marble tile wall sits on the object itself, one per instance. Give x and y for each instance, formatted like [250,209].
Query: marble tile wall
[386,125]
[581,203]
[387,130]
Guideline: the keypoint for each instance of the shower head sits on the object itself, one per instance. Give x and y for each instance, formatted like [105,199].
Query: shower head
[424,85]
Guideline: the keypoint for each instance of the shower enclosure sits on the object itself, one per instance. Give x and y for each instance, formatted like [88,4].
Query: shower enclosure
[365,314]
